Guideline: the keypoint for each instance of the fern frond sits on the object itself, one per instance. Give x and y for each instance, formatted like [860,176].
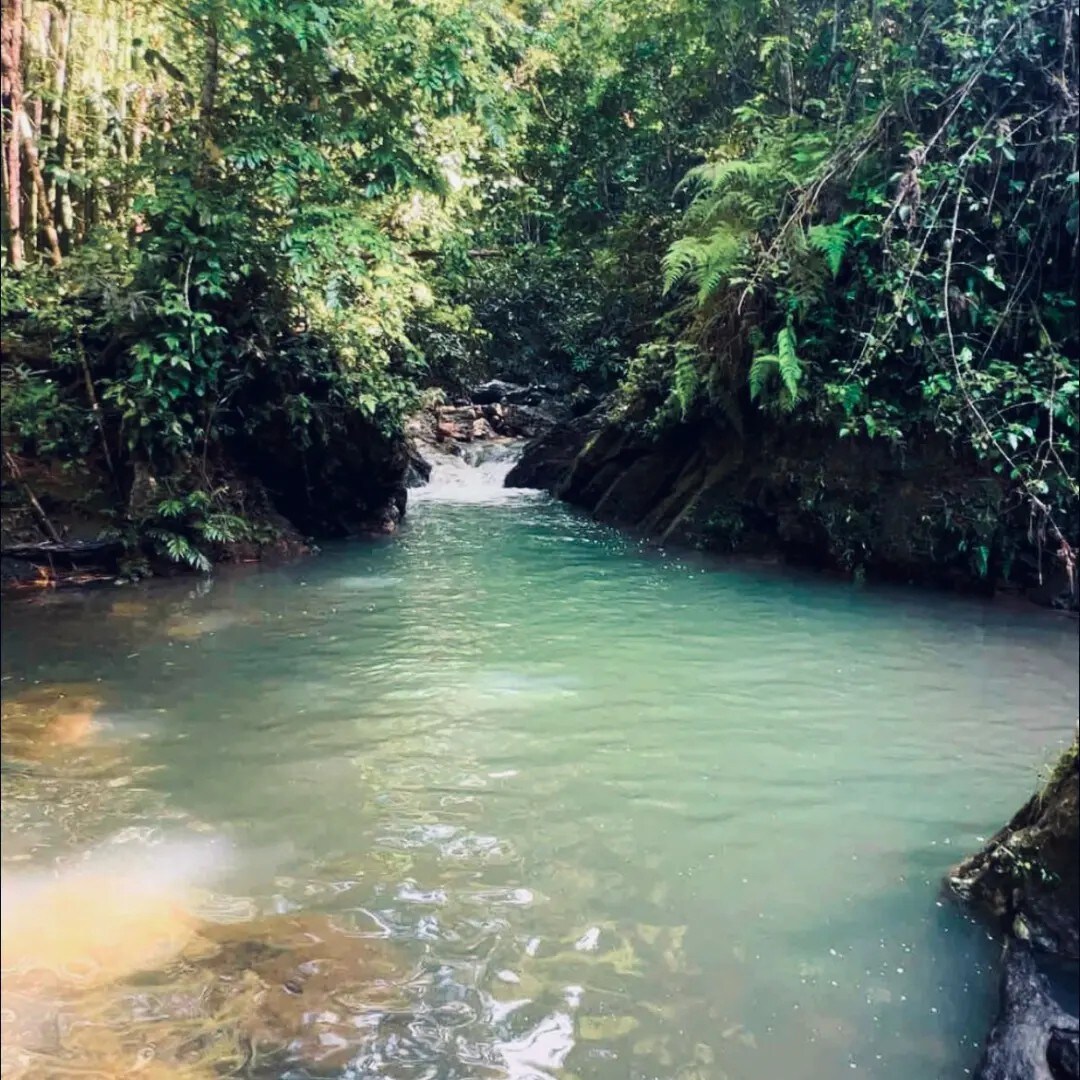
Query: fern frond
[762,367]
[785,363]
[171,508]
[223,528]
[788,362]
[831,241]
[180,549]
[681,258]
[686,379]
[714,175]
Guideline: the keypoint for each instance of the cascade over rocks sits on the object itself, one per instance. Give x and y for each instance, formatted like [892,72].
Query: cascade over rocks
[496,414]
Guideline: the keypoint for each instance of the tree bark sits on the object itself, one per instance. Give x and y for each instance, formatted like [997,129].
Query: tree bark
[208,95]
[47,224]
[12,92]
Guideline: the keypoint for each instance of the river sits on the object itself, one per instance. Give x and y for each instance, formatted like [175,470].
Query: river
[548,803]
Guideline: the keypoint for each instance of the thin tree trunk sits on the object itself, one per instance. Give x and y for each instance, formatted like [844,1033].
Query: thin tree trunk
[11,68]
[47,223]
[208,95]
[31,498]
[68,117]
[60,39]
[95,407]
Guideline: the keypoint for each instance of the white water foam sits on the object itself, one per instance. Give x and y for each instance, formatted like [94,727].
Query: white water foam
[475,475]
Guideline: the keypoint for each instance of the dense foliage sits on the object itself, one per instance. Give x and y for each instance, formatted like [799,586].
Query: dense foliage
[858,221]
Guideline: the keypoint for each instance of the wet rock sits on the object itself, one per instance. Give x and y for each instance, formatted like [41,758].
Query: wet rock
[1032,1039]
[1026,880]
[582,401]
[1027,877]
[418,470]
[350,482]
[548,460]
[526,422]
[494,392]
[456,422]
[637,488]
[1063,1054]
[481,429]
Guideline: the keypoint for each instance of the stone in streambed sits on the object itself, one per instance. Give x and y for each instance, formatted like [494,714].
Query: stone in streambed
[494,392]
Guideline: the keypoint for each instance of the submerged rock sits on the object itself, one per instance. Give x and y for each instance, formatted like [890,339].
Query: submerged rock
[1032,1039]
[176,997]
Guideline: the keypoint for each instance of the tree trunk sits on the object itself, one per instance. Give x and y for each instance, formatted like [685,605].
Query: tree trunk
[11,67]
[208,95]
[47,224]
[60,39]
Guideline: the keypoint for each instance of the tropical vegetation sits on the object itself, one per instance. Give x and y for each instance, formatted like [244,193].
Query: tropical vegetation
[229,227]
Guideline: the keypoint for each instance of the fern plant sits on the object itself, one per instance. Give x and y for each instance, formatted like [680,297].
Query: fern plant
[179,549]
[180,526]
[686,380]
[782,367]
[831,241]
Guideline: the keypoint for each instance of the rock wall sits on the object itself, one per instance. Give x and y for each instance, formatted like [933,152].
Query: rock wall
[353,483]
[851,505]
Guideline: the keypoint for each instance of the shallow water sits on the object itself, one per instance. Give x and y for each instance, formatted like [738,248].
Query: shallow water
[609,812]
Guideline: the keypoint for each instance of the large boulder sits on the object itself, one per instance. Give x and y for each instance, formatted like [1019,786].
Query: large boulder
[547,461]
[495,392]
[352,482]
[1025,880]
[1027,877]
[1032,1038]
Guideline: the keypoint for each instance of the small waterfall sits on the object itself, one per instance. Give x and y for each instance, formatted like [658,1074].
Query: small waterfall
[472,473]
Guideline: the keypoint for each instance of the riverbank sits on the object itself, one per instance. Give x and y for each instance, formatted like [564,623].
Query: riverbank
[853,506]
[847,508]
[66,523]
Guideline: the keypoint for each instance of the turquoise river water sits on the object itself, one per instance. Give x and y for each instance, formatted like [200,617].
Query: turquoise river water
[537,801]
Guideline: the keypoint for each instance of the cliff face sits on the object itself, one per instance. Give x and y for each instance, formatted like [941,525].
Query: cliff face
[851,505]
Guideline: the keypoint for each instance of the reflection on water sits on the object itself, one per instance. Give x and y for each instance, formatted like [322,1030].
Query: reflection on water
[507,797]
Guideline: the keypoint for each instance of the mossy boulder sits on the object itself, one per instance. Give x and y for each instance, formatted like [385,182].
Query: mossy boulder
[1027,877]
